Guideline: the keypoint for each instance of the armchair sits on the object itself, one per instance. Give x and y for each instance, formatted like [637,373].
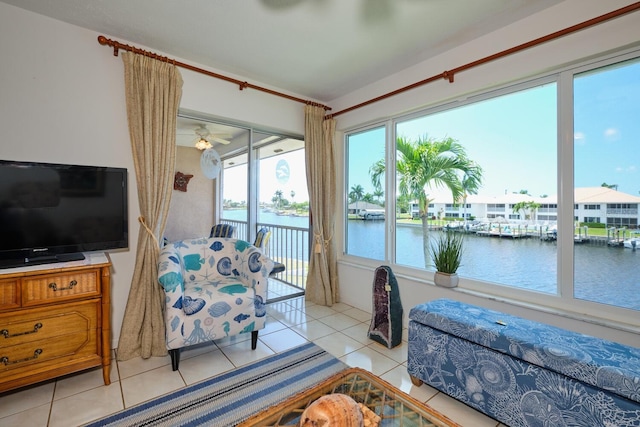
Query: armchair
[215,288]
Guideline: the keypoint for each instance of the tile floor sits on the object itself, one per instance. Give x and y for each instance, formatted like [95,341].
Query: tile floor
[341,330]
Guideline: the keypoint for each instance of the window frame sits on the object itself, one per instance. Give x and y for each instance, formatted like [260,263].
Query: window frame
[564,300]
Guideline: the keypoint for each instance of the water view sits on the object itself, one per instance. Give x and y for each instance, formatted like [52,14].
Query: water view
[603,274]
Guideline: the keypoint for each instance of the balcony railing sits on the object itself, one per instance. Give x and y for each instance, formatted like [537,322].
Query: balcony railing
[287,245]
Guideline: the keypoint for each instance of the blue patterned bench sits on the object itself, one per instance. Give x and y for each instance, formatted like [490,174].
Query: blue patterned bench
[520,372]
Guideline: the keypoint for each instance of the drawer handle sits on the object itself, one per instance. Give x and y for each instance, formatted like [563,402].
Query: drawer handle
[6,333]
[5,359]
[55,287]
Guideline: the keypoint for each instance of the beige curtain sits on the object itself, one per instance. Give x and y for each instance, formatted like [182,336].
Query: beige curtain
[322,279]
[153,92]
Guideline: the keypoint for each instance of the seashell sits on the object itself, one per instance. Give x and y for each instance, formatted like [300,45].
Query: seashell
[192,305]
[219,309]
[175,322]
[254,262]
[224,266]
[332,410]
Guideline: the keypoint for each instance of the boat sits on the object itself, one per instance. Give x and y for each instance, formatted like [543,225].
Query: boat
[371,214]
[632,243]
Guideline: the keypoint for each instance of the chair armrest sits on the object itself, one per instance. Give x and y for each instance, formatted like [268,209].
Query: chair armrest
[278,267]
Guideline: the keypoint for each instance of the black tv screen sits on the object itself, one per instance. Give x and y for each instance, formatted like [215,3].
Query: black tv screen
[53,212]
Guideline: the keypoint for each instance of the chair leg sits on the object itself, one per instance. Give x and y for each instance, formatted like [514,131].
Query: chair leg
[254,339]
[175,358]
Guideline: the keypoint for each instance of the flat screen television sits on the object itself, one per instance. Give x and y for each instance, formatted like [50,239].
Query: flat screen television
[54,212]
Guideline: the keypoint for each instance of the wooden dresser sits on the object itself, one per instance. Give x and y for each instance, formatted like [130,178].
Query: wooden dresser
[54,319]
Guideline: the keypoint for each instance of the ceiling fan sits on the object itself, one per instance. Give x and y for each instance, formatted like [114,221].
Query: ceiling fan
[205,139]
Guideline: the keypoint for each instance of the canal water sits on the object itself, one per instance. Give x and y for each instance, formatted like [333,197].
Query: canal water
[609,275]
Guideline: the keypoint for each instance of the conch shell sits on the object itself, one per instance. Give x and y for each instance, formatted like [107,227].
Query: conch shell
[332,410]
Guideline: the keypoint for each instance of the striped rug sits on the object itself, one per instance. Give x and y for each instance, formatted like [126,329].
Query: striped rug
[230,398]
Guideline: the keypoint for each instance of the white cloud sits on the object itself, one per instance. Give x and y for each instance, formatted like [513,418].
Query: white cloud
[612,134]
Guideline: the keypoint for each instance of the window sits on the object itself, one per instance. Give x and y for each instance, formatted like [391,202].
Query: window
[511,137]
[365,185]
[606,135]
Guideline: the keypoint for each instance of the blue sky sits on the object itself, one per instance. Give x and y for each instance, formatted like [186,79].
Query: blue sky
[607,128]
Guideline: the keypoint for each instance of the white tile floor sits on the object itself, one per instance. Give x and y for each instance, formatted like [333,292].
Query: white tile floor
[341,330]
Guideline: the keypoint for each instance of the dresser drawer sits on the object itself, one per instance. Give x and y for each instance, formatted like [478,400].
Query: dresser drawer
[9,294]
[59,287]
[65,347]
[44,323]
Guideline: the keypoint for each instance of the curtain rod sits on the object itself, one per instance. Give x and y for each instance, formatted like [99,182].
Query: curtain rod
[241,85]
[449,75]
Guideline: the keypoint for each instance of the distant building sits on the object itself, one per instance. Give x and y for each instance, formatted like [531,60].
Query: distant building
[355,207]
[592,204]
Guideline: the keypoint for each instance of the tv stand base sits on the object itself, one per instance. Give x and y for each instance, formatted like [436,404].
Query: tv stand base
[25,262]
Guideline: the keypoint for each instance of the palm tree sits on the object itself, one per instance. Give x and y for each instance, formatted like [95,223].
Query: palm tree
[277,198]
[356,194]
[427,164]
[531,207]
[520,207]
[471,182]
[378,194]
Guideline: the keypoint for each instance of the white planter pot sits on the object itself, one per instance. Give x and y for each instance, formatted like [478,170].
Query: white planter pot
[445,280]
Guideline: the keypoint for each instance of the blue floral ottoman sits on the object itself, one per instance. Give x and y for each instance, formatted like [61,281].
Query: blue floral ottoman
[520,372]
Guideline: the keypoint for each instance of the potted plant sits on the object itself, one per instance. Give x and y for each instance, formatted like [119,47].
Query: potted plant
[446,252]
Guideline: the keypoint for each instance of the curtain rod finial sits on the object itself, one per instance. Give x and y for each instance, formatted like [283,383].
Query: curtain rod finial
[105,41]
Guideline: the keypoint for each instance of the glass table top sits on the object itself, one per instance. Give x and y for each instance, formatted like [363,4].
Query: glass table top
[394,407]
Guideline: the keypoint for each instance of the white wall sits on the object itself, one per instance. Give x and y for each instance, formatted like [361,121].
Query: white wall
[355,275]
[191,213]
[62,101]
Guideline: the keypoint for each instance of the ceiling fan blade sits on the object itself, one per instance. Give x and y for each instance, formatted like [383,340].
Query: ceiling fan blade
[218,140]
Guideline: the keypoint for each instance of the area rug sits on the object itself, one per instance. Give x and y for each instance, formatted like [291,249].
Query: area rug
[232,397]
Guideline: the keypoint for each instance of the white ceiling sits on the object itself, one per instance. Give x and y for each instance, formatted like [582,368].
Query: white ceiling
[318,49]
